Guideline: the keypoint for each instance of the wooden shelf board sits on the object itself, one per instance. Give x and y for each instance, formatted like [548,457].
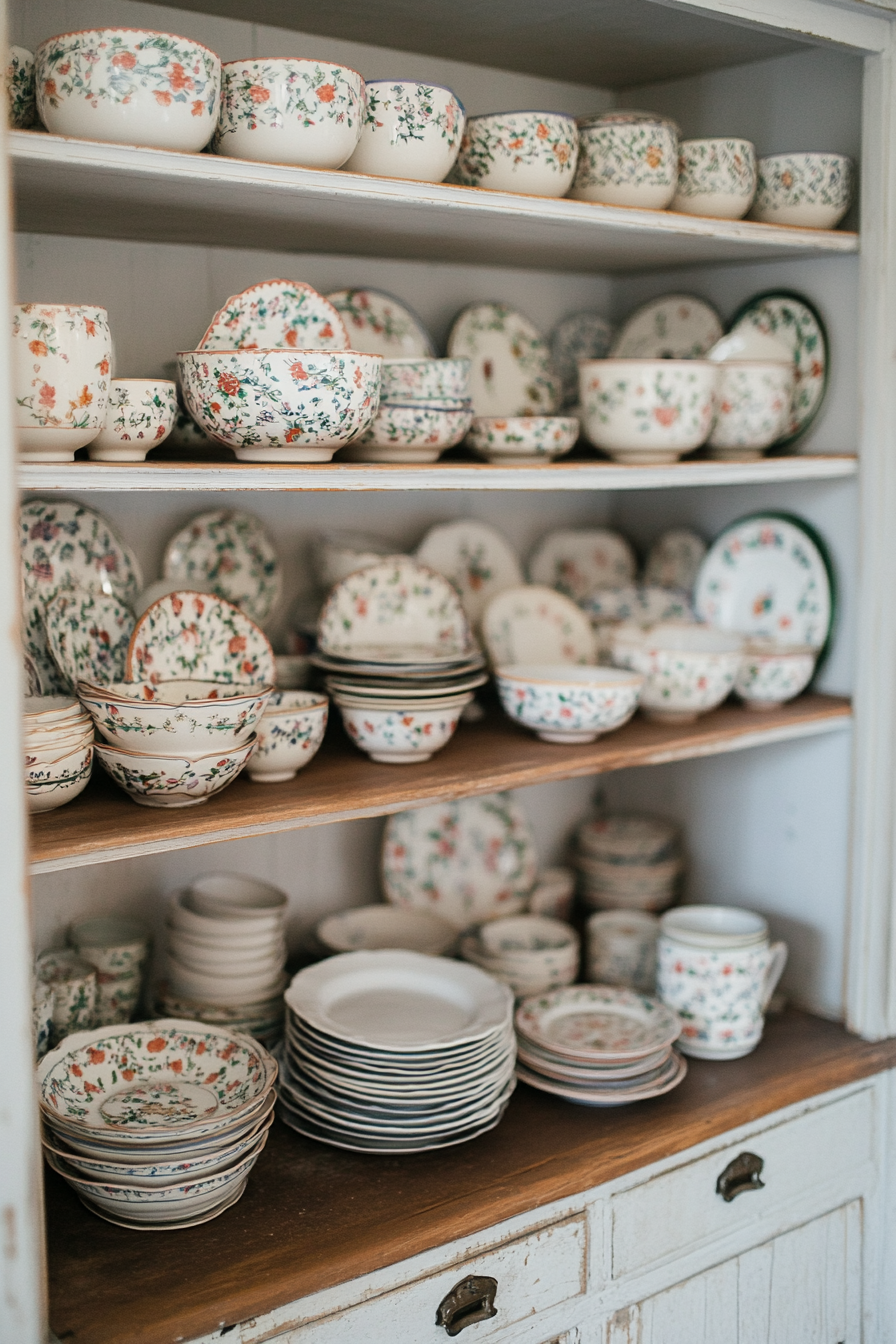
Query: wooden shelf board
[313,1217]
[341,784]
[575,475]
[101,190]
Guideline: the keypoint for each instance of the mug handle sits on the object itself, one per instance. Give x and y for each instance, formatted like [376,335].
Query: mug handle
[776,963]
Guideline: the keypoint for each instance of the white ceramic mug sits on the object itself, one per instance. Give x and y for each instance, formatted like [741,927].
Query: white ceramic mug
[622,949]
[717,969]
[140,414]
[63,362]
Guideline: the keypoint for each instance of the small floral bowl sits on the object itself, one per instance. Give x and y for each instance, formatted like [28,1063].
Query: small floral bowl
[289,735]
[568,703]
[522,438]
[531,152]
[20,88]
[401,736]
[140,414]
[753,408]
[627,158]
[129,85]
[771,674]
[410,130]
[50,784]
[111,943]
[689,669]
[434,381]
[648,410]
[715,178]
[175,716]
[412,433]
[283,110]
[173,781]
[813,191]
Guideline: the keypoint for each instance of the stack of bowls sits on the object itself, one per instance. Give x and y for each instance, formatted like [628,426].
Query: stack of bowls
[58,751]
[156,1124]
[529,953]
[369,927]
[424,408]
[629,862]
[226,949]
[290,732]
[118,949]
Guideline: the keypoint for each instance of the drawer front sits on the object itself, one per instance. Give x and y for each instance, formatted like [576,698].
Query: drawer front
[681,1210]
[536,1272]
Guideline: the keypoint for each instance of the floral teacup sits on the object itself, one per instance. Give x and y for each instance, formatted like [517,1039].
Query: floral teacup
[753,407]
[113,944]
[409,129]
[771,673]
[622,949]
[140,415]
[63,362]
[715,178]
[533,152]
[811,190]
[289,735]
[74,986]
[627,158]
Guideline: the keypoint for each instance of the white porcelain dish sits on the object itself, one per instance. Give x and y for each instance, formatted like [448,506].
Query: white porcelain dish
[190,635]
[290,734]
[380,324]
[771,674]
[401,735]
[475,557]
[395,604]
[510,364]
[370,927]
[531,152]
[578,561]
[780,318]
[675,326]
[173,781]
[227,552]
[522,439]
[273,315]
[568,704]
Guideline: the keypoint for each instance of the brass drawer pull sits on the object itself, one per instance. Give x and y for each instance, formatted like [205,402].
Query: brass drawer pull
[739,1176]
[469,1301]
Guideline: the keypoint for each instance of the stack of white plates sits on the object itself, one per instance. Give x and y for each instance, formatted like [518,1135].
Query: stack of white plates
[629,862]
[156,1124]
[394,1051]
[598,1046]
[58,750]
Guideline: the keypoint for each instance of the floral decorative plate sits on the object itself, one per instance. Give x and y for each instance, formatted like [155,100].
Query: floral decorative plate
[597,1022]
[475,557]
[276,315]
[192,635]
[579,562]
[769,575]
[677,326]
[510,365]
[393,605]
[674,560]
[230,553]
[792,320]
[380,324]
[88,635]
[534,624]
[581,336]
[468,861]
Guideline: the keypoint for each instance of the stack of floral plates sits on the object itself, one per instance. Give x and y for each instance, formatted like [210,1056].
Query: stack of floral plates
[58,751]
[598,1046]
[629,862]
[396,1052]
[156,1125]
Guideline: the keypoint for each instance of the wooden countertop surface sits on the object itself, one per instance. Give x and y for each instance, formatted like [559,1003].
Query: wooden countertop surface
[314,1216]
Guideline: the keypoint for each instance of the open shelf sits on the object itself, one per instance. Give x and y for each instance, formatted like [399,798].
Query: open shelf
[341,784]
[87,188]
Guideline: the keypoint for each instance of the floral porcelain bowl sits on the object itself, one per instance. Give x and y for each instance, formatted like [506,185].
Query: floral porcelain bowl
[435,381]
[173,780]
[20,88]
[522,438]
[175,716]
[647,410]
[129,85]
[140,414]
[566,703]
[283,110]
[531,152]
[753,408]
[770,674]
[811,190]
[715,177]
[62,362]
[289,735]
[408,130]
[281,405]
[113,944]
[50,784]
[402,736]
[627,158]
[411,433]
[530,953]
[689,669]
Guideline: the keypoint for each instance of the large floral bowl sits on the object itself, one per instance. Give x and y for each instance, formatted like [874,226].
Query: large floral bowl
[289,735]
[130,85]
[403,736]
[647,410]
[812,190]
[567,703]
[409,130]
[770,674]
[627,158]
[175,716]
[532,152]
[175,780]
[281,405]
[283,110]
[689,669]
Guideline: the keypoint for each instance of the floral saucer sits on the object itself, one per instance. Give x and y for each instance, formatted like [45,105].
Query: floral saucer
[192,635]
[677,326]
[467,861]
[88,635]
[534,624]
[511,372]
[792,321]
[597,1022]
[475,558]
[394,604]
[229,553]
[674,560]
[276,315]
[580,336]
[379,324]
[578,562]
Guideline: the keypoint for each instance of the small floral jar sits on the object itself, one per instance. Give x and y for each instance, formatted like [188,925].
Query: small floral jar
[20,88]
[289,735]
[627,158]
[410,130]
[715,178]
[281,110]
[63,361]
[771,674]
[753,401]
[531,152]
[140,415]
[74,987]
[811,190]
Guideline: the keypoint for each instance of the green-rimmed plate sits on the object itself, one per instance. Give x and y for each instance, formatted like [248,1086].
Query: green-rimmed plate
[791,319]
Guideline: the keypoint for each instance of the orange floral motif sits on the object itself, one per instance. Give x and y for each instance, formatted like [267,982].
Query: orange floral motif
[179,79]
[258,94]
[326,331]
[125,60]
[542,131]
[127,1075]
[90,326]
[653,156]
[562,152]
[200,1049]
[47,397]
[177,604]
[237,644]
[91,1087]
[326,93]
[50,88]
[176,1065]
[292,338]
[85,398]
[163,97]
[787,179]
[156,1044]
[358,376]
[665,415]
[294,433]
[298,371]
[516,144]
[229,384]
[37,348]
[76,1070]
[104,367]
[213,1077]
[198,107]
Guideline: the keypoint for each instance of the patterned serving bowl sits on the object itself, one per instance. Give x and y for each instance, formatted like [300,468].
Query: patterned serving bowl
[770,674]
[193,717]
[20,88]
[284,110]
[531,152]
[627,158]
[140,414]
[173,780]
[408,129]
[129,85]
[62,357]
[811,190]
[522,438]
[568,703]
[415,432]
[689,669]
[753,408]
[434,381]
[716,177]
[281,405]
[405,735]
[289,735]
[648,410]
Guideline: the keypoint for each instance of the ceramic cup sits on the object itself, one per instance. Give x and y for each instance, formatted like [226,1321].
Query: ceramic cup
[117,998]
[647,410]
[811,190]
[408,130]
[20,88]
[140,414]
[289,735]
[41,1016]
[406,736]
[627,158]
[282,110]
[532,152]
[718,970]
[753,402]
[621,949]
[434,381]
[412,433]
[770,674]
[113,944]
[63,359]
[689,669]
[716,178]
[74,985]
[522,438]
[553,893]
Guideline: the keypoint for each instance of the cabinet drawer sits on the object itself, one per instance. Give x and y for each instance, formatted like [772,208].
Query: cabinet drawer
[680,1210]
[541,1270]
